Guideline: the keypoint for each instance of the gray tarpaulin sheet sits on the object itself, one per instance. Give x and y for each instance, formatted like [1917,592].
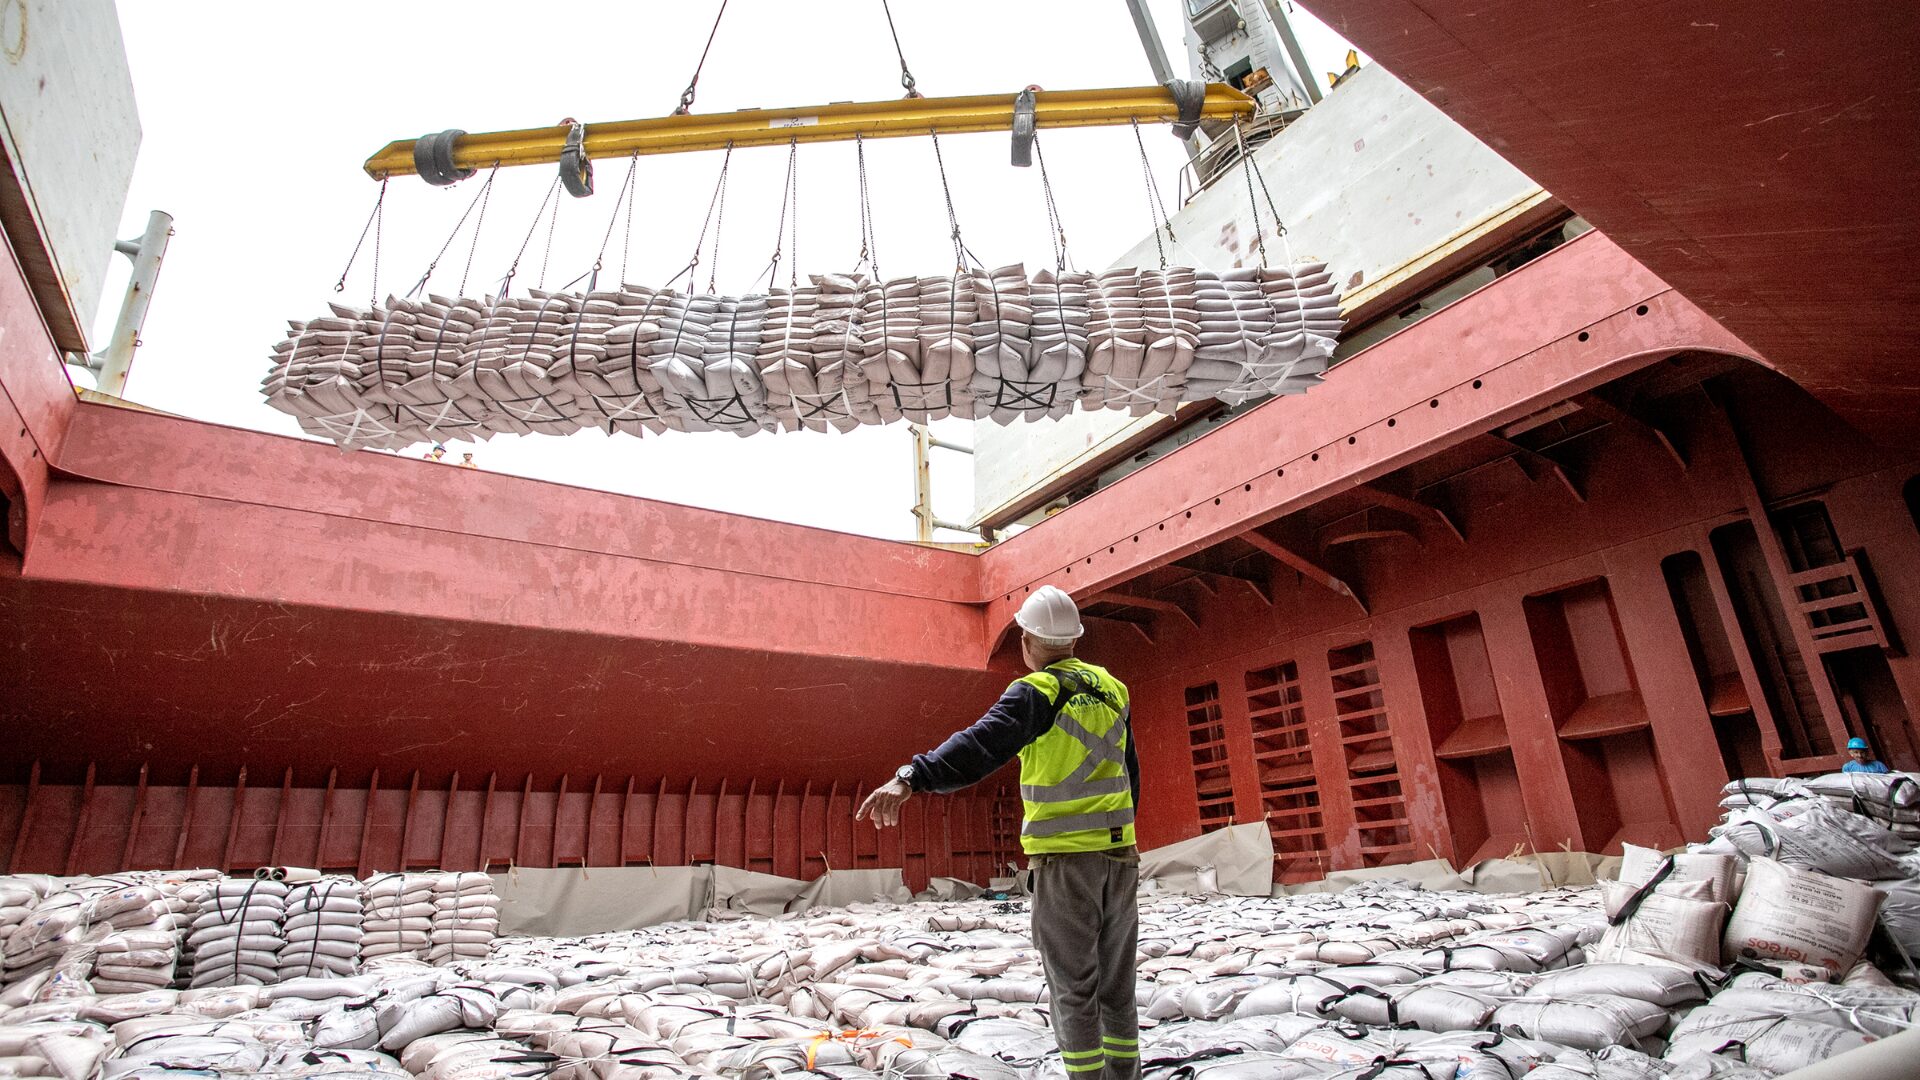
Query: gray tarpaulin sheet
[747,890]
[572,900]
[838,888]
[947,888]
[1238,860]
[1528,873]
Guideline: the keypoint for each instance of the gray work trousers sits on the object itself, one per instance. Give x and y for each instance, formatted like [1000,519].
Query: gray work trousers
[1086,925]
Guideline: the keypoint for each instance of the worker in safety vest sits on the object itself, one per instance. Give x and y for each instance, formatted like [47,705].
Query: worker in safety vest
[1861,759]
[1079,783]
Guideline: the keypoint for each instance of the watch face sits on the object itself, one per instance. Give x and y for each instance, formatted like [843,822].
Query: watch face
[904,774]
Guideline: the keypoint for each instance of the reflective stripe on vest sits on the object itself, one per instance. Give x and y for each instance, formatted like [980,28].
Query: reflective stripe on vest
[1114,819]
[1045,796]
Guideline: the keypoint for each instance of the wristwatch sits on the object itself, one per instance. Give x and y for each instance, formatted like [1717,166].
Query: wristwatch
[904,774]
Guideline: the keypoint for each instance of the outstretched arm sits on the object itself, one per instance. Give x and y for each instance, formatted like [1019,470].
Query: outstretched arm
[974,753]
[969,756]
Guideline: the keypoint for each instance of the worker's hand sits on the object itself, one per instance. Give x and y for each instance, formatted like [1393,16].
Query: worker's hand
[884,804]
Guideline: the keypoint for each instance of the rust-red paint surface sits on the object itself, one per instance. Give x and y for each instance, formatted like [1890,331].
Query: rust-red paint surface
[1758,157]
[228,648]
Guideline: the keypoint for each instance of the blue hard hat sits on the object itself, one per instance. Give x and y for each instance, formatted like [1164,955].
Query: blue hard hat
[1856,744]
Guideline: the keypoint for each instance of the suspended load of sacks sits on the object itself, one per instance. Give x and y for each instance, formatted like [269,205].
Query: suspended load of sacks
[837,353]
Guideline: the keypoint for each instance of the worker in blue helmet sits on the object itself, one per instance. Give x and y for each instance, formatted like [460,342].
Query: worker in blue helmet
[1863,759]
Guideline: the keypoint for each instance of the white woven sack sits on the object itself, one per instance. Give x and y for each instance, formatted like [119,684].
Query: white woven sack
[1584,1021]
[1773,1043]
[1786,913]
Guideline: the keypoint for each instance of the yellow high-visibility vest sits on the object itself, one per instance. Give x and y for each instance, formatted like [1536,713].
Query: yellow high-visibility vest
[1073,779]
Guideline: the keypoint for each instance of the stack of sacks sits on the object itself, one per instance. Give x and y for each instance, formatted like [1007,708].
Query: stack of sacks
[1306,326]
[919,348]
[808,348]
[505,361]
[69,1051]
[466,1055]
[187,893]
[842,396]
[785,357]
[398,916]
[1666,909]
[144,945]
[675,351]
[56,926]
[583,344]
[1824,831]
[235,940]
[306,999]
[1817,835]
[1146,328]
[617,390]
[351,1021]
[1017,372]
[148,1045]
[702,1030]
[838,353]
[1236,325]
[466,918]
[1781,1028]
[674,346]
[414,359]
[470,1006]
[316,377]
[322,929]
[1892,799]
[1060,329]
[719,388]
[18,895]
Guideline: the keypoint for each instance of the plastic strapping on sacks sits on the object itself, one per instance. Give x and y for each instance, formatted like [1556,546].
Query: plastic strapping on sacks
[1640,894]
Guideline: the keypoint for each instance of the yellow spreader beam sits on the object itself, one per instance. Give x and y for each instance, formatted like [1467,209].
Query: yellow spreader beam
[822,123]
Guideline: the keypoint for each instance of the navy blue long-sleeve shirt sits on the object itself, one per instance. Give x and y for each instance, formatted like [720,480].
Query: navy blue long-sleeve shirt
[974,753]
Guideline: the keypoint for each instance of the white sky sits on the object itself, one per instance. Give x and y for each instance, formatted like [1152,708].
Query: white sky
[256,118]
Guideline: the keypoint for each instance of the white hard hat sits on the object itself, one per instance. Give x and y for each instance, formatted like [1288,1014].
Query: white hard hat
[1050,617]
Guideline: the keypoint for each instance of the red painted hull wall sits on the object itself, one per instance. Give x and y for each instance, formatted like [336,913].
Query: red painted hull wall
[1559,609]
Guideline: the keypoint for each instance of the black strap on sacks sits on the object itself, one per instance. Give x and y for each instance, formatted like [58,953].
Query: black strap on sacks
[1186,1071]
[1383,1063]
[1189,96]
[1015,394]
[1367,990]
[1640,895]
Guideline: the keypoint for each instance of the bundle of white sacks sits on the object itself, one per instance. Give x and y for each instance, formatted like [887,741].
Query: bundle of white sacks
[466,918]
[836,353]
[1623,980]
[324,927]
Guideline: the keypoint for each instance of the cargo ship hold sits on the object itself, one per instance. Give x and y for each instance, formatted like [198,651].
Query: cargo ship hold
[1610,497]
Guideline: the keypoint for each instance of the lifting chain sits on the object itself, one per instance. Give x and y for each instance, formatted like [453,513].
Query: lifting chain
[789,197]
[716,216]
[376,221]
[1154,202]
[513,269]
[869,252]
[953,220]
[1059,229]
